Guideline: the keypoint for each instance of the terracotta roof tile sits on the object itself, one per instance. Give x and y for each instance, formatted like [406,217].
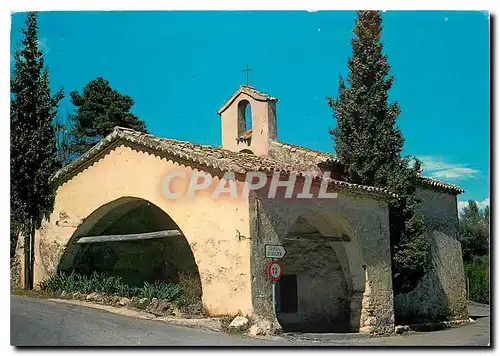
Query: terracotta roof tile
[208,156]
[325,157]
[442,185]
[225,160]
[318,154]
[250,91]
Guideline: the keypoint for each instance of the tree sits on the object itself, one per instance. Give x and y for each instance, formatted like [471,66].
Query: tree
[474,232]
[478,276]
[99,109]
[474,227]
[368,144]
[33,140]
[64,155]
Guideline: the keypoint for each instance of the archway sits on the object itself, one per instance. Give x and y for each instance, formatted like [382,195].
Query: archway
[244,117]
[316,289]
[135,261]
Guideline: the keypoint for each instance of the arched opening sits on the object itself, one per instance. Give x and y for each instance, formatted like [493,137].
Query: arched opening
[314,293]
[244,117]
[248,117]
[247,151]
[136,261]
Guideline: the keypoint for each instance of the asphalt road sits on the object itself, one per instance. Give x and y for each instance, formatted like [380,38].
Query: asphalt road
[39,322]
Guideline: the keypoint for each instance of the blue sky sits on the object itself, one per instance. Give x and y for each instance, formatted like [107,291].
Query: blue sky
[180,67]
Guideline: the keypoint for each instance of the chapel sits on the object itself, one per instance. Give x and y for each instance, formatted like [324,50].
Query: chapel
[111,215]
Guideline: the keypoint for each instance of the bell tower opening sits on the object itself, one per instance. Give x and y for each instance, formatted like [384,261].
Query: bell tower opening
[248,121]
[244,117]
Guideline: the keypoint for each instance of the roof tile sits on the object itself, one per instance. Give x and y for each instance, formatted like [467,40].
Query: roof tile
[212,157]
[225,160]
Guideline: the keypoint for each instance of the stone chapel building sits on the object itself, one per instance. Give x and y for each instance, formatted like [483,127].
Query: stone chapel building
[337,269]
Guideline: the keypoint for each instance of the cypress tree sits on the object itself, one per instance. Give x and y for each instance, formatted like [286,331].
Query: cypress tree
[33,140]
[369,145]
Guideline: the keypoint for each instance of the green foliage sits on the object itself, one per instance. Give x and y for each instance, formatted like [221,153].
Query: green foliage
[159,290]
[95,282]
[366,138]
[33,140]
[63,156]
[368,144]
[478,275]
[191,287]
[410,246]
[99,109]
[60,282]
[474,230]
[32,137]
[101,283]
[14,235]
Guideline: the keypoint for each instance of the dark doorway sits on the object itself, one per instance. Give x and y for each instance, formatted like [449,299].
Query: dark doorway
[287,297]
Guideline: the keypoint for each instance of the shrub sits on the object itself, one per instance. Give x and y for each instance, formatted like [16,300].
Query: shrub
[61,282]
[191,286]
[190,301]
[170,292]
[478,274]
[99,282]
[96,282]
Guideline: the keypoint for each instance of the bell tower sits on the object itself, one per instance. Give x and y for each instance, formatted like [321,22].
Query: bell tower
[248,134]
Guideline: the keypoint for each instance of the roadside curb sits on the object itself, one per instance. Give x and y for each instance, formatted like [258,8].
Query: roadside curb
[326,337]
[212,324]
[433,326]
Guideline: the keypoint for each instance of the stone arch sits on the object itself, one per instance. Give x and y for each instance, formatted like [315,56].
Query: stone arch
[332,272]
[244,116]
[128,172]
[137,261]
[330,222]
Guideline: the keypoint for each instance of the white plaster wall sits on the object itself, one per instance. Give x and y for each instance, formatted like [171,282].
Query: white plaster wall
[210,226]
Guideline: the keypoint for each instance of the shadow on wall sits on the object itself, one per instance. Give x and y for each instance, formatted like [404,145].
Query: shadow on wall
[135,262]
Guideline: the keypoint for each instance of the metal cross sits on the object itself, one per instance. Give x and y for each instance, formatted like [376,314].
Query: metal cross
[247,70]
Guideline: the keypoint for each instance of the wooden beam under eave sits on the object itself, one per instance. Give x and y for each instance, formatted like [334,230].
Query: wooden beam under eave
[316,238]
[129,237]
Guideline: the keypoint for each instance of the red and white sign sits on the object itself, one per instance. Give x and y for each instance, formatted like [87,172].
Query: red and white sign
[274,270]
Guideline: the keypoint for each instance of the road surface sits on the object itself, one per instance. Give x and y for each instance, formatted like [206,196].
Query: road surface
[40,322]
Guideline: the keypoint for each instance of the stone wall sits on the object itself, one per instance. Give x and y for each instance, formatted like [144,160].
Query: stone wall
[365,259]
[441,294]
